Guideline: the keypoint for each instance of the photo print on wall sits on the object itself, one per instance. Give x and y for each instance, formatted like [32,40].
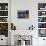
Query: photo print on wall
[23,14]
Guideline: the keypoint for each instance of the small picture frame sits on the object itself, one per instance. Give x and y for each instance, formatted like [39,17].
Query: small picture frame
[21,14]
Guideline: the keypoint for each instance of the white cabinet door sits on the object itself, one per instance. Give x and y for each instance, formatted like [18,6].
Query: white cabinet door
[3,40]
[41,41]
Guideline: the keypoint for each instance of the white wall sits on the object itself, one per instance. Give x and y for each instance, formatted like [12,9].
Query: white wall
[32,6]
[23,24]
[5,39]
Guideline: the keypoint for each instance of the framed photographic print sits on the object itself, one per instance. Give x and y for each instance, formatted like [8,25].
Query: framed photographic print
[23,14]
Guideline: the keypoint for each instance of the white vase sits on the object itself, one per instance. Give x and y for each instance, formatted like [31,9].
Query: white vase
[22,43]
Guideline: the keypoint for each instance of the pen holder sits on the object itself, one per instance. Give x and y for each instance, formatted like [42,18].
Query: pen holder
[31,27]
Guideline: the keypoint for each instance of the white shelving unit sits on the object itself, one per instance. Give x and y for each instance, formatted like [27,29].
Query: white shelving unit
[41,22]
[41,28]
[4,18]
[3,12]
[42,16]
[4,23]
[42,10]
[42,19]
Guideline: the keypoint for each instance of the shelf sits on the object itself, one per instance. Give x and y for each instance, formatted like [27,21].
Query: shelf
[41,22]
[3,22]
[41,10]
[3,10]
[42,16]
[3,16]
[41,28]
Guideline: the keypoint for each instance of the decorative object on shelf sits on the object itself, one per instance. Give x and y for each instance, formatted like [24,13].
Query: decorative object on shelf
[4,26]
[3,6]
[40,25]
[3,19]
[42,32]
[43,13]
[0,7]
[45,7]
[13,27]
[4,29]
[6,7]
[31,27]
[41,19]
[3,13]
[24,37]
[18,42]
[23,14]
[41,6]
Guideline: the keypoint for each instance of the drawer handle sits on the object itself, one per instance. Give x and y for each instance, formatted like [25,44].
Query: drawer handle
[1,39]
[43,39]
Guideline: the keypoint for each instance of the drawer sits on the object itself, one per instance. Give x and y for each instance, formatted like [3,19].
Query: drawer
[3,41]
